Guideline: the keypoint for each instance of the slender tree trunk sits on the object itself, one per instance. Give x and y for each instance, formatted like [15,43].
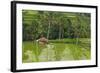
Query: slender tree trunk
[60,32]
[76,40]
[48,30]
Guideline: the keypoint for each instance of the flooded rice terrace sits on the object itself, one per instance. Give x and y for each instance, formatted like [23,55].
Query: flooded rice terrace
[54,52]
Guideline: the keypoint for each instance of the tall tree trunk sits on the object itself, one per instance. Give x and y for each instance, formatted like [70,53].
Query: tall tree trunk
[62,35]
[60,31]
[76,40]
[48,30]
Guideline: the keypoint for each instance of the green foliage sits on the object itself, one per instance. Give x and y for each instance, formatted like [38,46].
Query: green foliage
[55,25]
[63,41]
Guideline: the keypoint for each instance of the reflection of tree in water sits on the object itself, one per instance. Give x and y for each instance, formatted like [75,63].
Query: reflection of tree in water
[48,53]
[51,52]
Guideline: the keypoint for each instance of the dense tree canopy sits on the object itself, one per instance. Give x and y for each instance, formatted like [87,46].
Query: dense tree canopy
[55,25]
